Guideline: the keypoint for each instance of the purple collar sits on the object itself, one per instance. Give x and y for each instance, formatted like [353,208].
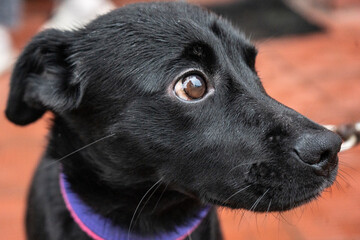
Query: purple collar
[101,228]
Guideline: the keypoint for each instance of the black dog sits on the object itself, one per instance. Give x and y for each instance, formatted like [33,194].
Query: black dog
[159,117]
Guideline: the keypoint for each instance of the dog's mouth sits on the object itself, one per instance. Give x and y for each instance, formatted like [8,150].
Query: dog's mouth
[266,190]
[268,201]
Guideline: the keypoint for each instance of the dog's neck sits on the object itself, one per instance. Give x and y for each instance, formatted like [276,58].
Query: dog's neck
[99,227]
[148,212]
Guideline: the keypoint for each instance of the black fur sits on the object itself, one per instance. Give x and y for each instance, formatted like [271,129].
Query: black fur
[114,78]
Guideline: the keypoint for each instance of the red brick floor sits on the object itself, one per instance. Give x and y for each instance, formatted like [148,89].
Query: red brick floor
[318,75]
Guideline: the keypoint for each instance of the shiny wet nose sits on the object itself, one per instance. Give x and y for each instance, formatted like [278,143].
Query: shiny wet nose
[319,150]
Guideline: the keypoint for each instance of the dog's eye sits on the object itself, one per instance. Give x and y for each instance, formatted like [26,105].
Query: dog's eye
[191,87]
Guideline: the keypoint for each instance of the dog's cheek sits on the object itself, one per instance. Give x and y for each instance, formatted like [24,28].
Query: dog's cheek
[204,177]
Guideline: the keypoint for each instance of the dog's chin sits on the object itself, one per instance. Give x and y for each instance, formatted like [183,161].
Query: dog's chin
[267,205]
[268,202]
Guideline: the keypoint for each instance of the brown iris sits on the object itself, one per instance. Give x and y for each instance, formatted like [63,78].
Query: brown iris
[189,88]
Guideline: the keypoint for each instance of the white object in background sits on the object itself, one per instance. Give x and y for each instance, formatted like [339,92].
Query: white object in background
[351,134]
[6,50]
[72,14]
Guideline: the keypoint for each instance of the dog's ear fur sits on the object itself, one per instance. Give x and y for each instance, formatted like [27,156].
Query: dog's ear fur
[43,78]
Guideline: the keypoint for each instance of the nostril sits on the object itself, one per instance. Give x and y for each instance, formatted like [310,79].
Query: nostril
[325,156]
[297,154]
[324,168]
[318,150]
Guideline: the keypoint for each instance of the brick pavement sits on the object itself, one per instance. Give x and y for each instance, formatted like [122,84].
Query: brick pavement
[317,75]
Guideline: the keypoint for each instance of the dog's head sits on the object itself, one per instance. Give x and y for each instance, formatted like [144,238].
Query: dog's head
[176,88]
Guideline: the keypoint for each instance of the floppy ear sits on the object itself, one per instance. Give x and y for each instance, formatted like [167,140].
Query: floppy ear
[43,78]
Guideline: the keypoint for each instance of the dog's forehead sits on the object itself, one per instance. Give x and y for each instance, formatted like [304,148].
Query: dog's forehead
[147,41]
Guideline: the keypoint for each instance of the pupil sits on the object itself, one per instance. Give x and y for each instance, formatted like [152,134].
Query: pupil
[194,86]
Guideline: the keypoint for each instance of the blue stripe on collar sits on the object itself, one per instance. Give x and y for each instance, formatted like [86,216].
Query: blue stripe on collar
[101,228]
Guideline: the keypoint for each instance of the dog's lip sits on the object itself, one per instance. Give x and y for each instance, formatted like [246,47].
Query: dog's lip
[282,206]
[217,202]
[301,201]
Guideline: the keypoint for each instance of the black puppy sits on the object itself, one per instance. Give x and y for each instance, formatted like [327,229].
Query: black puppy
[159,117]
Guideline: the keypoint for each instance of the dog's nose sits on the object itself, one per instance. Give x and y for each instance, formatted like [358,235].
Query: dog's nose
[319,150]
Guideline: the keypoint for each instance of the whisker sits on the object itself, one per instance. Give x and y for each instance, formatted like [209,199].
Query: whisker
[284,219]
[78,150]
[138,215]
[341,178]
[242,216]
[275,215]
[345,164]
[337,185]
[137,207]
[343,173]
[267,212]
[159,198]
[237,192]
[268,208]
[258,201]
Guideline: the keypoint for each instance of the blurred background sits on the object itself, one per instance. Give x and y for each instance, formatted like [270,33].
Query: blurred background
[309,59]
